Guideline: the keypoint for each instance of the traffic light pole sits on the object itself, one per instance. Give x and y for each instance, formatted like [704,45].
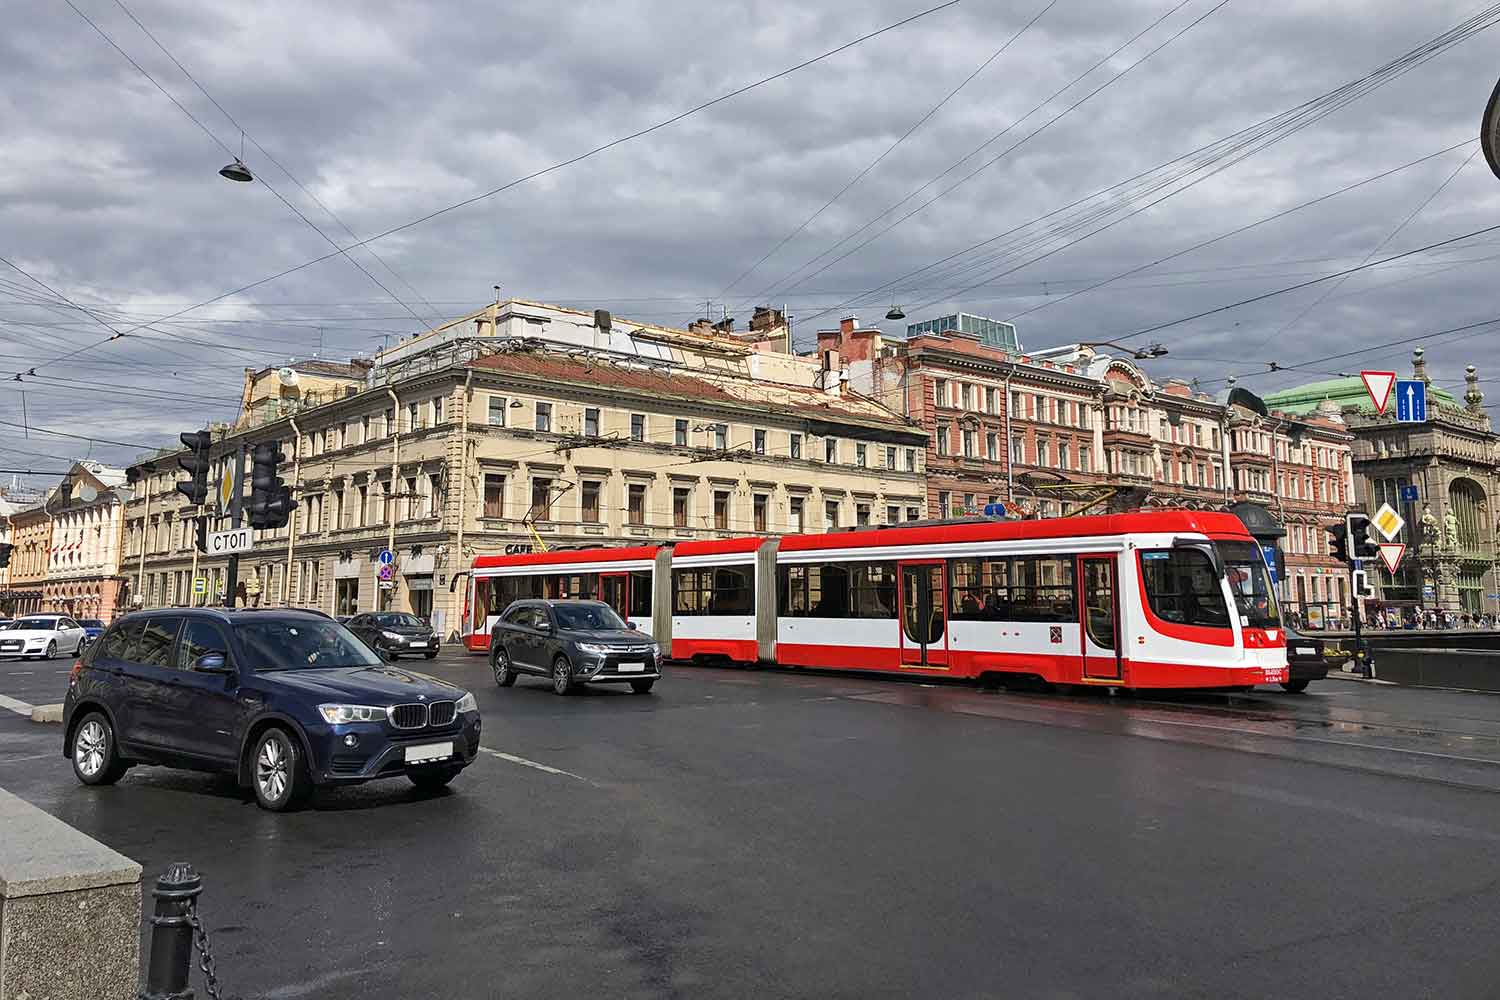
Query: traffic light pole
[236,508]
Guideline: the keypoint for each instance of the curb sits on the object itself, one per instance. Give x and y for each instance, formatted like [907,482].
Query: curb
[47,713]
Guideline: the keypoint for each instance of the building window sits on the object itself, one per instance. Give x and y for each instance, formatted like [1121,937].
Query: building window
[940,392]
[364,506]
[635,503]
[944,507]
[890,458]
[637,427]
[758,507]
[913,514]
[968,443]
[721,509]
[861,455]
[721,436]
[760,442]
[680,434]
[497,411]
[992,400]
[494,495]
[942,439]
[1064,455]
[794,515]
[831,514]
[541,500]
[830,450]
[437,410]
[543,416]
[992,447]
[591,491]
[862,515]
[1018,449]
[591,421]
[794,445]
[680,498]
[966,395]
[364,430]
[413,499]
[892,515]
[1085,459]
[911,460]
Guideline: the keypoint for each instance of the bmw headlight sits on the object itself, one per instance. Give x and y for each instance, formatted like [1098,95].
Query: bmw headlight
[466,703]
[338,715]
[394,636]
[594,649]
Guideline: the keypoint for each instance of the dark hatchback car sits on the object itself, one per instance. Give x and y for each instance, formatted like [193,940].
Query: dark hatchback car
[395,633]
[284,700]
[573,643]
[1304,660]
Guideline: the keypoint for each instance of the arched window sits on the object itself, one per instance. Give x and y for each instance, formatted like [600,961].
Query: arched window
[1466,501]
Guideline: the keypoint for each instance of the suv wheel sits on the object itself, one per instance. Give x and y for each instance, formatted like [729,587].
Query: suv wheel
[276,771]
[505,674]
[95,760]
[562,676]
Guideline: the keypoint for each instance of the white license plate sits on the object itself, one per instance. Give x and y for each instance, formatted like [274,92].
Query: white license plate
[631,668]
[1306,651]
[429,751]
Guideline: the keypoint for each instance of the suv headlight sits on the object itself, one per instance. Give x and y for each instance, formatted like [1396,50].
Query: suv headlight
[466,704]
[393,635]
[594,649]
[337,715]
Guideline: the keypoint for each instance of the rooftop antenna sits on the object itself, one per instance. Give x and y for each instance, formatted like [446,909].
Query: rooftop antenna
[497,295]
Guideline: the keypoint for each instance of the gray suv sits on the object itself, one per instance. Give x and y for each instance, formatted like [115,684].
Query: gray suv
[574,643]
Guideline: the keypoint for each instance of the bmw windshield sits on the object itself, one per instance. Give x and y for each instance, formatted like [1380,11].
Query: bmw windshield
[302,645]
[1250,583]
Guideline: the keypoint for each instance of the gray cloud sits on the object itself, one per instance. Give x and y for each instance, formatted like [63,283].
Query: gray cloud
[388,111]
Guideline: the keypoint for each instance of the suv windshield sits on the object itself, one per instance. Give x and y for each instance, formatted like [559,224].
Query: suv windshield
[1250,584]
[586,616]
[34,624]
[404,621]
[298,644]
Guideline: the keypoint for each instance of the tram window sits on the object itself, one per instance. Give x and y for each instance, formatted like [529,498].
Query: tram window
[640,594]
[791,591]
[872,590]
[833,590]
[725,590]
[828,591]
[1019,589]
[1183,588]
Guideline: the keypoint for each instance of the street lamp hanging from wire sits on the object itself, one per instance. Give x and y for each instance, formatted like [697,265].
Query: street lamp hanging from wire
[237,171]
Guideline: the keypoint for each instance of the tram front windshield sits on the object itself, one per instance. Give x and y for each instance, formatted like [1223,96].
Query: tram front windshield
[1250,584]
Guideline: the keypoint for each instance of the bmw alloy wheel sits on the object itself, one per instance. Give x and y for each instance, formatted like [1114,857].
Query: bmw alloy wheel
[271,773]
[89,746]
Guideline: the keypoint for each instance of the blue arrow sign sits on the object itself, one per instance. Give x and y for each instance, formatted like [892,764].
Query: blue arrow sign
[1409,494]
[387,557]
[1411,400]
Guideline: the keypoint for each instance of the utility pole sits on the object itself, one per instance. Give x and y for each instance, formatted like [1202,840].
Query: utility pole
[236,506]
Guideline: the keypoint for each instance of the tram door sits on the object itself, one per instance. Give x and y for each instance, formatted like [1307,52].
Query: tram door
[924,614]
[614,590]
[1101,618]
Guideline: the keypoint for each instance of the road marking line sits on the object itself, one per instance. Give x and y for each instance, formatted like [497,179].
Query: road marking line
[531,763]
[19,707]
[19,673]
[17,760]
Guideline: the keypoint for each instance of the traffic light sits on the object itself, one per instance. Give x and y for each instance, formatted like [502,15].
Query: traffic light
[1362,543]
[1338,542]
[271,502]
[200,538]
[5,550]
[195,463]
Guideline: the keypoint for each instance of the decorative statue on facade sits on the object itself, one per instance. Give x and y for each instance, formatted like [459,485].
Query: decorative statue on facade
[1450,529]
[1430,537]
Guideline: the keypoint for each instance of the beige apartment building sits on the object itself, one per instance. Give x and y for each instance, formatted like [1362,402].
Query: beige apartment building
[527,425]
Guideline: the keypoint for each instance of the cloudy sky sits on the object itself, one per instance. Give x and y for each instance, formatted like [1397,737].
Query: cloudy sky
[385,112]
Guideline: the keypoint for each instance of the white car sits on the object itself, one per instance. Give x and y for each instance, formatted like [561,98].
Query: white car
[43,636]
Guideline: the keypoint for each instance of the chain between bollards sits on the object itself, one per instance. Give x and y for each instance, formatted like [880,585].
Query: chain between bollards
[175,930]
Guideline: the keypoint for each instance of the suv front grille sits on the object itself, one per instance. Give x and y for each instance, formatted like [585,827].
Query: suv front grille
[408,716]
[440,713]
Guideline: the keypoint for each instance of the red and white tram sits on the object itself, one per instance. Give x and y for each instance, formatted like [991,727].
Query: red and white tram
[1167,599]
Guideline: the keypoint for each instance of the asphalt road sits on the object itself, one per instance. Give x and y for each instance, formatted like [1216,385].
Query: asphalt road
[773,833]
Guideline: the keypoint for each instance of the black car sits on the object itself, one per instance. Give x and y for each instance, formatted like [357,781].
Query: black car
[573,643]
[1304,660]
[284,700]
[395,632]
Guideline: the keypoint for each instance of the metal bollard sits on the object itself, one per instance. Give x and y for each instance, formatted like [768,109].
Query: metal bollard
[172,934]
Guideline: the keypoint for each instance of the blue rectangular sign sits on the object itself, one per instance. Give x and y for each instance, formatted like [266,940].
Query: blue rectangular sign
[1268,553]
[1411,400]
[1409,494]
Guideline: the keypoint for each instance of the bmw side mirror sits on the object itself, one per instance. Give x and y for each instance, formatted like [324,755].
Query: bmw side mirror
[212,663]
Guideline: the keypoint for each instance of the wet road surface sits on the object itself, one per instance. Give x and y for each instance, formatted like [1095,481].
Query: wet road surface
[776,833]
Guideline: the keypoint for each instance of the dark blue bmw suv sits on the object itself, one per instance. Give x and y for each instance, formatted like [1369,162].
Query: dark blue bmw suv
[283,699]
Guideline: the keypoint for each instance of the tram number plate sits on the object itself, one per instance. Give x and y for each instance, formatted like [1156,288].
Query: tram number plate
[429,751]
[1275,675]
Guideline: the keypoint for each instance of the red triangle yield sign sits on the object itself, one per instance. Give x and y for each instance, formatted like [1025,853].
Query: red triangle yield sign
[1390,554]
[1378,385]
